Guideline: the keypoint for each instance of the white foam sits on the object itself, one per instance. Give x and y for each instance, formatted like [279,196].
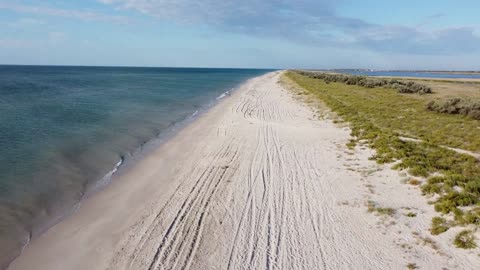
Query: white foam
[224,94]
[105,180]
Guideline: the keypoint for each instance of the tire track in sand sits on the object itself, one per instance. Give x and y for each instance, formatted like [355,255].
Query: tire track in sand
[258,197]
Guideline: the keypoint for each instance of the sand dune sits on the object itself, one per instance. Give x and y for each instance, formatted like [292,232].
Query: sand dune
[258,182]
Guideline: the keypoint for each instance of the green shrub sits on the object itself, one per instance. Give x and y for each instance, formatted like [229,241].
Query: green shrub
[439,225]
[473,186]
[461,106]
[401,86]
[465,239]
[386,211]
[411,214]
[431,188]
[418,171]
[471,218]
[445,206]
[451,200]
[372,207]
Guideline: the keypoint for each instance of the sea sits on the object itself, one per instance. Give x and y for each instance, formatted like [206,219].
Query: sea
[65,130]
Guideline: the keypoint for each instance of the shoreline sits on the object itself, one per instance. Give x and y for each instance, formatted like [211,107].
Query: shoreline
[153,152]
[260,180]
[126,162]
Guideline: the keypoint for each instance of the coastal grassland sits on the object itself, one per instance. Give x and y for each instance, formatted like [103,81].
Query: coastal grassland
[455,97]
[453,88]
[401,130]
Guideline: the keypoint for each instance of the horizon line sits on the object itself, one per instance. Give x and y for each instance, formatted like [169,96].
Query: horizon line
[200,67]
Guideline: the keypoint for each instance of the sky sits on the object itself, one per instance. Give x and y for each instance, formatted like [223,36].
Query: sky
[373,34]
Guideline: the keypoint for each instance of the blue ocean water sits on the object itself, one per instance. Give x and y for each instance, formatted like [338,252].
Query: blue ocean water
[416,74]
[62,129]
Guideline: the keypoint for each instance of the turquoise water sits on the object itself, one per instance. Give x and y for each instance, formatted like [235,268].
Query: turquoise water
[63,129]
[416,74]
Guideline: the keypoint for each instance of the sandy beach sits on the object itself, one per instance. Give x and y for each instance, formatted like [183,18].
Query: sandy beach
[260,181]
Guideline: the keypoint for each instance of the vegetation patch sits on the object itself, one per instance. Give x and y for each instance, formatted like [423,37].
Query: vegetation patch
[465,239]
[379,116]
[411,214]
[406,87]
[380,210]
[414,182]
[468,217]
[439,225]
[351,144]
[427,241]
[461,106]
[412,266]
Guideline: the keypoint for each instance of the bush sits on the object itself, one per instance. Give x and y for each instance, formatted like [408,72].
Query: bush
[465,239]
[470,217]
[452,200]
[439,225]
[473,186]
[475,114]
[461,106]
[401,86]
[418,171]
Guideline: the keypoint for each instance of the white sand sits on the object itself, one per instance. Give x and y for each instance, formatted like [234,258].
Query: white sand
[258,182]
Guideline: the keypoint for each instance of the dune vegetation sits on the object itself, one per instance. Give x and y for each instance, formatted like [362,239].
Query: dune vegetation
[456,105]
[407,132]
[369,82]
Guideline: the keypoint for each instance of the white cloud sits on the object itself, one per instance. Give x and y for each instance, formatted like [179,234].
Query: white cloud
[26,22]
[84,15]
[311,22]
[231,12]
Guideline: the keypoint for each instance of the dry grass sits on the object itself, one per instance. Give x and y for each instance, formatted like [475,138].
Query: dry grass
[414,182]
[384,211]
[457,89]
[412,266]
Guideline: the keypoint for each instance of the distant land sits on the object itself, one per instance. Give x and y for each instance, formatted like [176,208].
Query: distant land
[411,70]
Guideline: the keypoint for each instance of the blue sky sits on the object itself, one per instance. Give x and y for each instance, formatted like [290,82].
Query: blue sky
[427,34]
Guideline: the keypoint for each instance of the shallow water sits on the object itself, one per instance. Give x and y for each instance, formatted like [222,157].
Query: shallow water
[62,129]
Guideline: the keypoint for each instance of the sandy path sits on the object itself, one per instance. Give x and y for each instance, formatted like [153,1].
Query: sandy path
[256,183]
